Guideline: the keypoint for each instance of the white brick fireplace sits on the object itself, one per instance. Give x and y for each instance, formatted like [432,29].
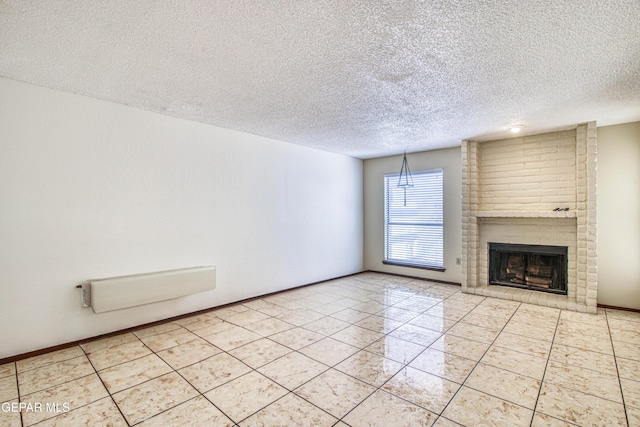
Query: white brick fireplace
[511,192]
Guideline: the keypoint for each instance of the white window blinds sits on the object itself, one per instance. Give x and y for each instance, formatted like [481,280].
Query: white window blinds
[414,233]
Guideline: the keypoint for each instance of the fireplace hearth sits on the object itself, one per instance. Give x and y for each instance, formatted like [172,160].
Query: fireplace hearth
[534,267]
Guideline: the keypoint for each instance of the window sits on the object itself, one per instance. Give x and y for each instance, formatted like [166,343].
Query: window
[413,231]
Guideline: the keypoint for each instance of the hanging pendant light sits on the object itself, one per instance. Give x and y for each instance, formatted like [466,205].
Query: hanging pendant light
[405,180]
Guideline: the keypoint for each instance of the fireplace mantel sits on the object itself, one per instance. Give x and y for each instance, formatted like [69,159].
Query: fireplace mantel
[526,214]
[538,189]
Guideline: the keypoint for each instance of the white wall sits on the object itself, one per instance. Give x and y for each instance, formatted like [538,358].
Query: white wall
[619,215]
[374,170]
[92,189]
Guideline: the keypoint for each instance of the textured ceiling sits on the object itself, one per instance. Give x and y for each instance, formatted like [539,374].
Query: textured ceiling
[365,78]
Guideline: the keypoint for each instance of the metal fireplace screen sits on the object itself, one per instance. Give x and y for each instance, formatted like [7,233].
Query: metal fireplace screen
[535,267]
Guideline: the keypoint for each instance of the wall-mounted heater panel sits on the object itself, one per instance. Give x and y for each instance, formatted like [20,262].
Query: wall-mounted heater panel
[115,293]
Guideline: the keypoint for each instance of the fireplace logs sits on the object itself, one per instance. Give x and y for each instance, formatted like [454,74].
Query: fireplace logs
[528,266]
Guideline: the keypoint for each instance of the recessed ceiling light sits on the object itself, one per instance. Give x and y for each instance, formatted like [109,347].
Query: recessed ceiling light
[516,128]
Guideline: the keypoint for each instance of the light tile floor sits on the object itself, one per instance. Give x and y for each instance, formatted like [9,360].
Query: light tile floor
[366,350]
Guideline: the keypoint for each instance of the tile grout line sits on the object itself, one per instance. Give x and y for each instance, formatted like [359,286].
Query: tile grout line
[544,374]
[221,352]
[379,388]
[429,346]
[59,384]
[105,386]
[15,367]
[227,382]
[180,375]
[588,368]
[85,354]
[289,391]
[615,359]
[406,364]
[483,354]
[200,394]
[341,419]
[406,322]
[270,379]
[251,370]
[558,324]
[151,379]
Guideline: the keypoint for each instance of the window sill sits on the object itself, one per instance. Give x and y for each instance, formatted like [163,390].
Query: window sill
[422,267]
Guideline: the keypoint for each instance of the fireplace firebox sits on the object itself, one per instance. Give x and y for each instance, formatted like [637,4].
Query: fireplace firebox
[535,267]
